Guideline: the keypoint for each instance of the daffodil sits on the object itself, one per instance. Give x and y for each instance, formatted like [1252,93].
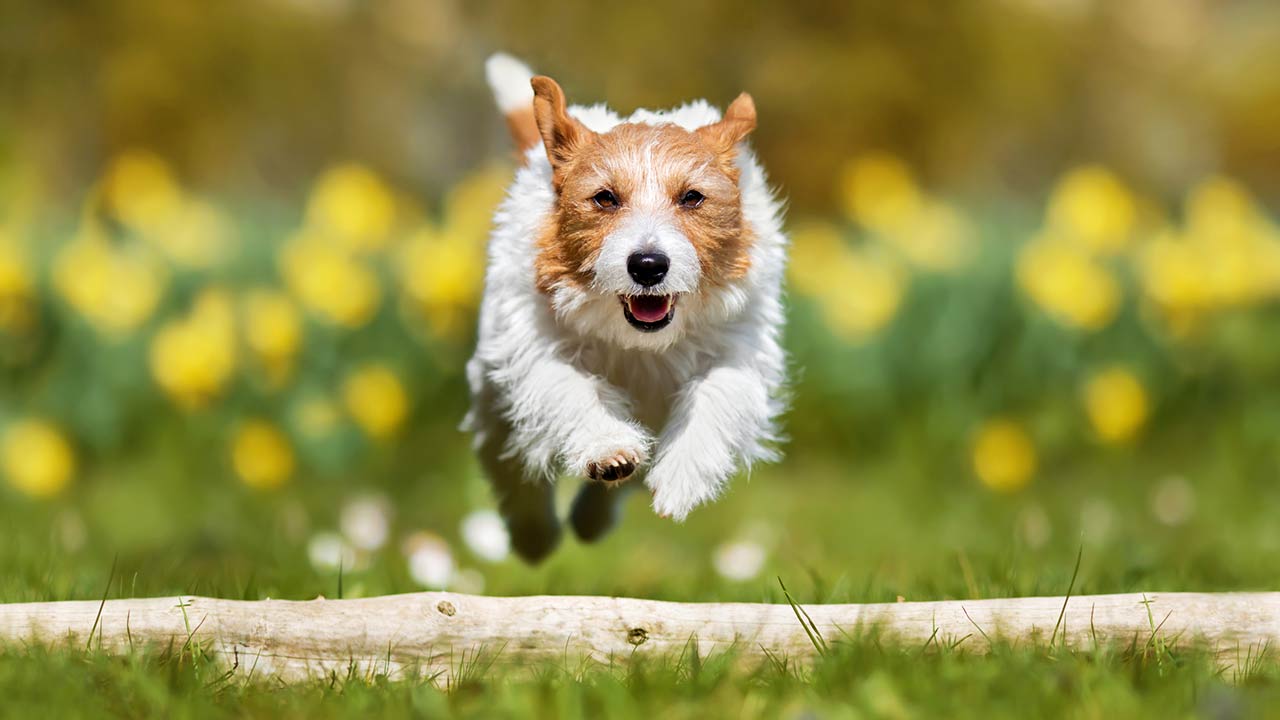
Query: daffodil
[468,207]
[193,358]
[272,330]
[376,399]
[1173,274]
[262,455]
[330,281]
[16,286]
[352,204]
[1068,283]
[880,193]
[36,458]
[114,286]
[1004,456]
[1092,206]
[1220,208]
[442,266]
[442,277]
[865,297]
[140,190]
[937,237]
[858,290]
[1116,403]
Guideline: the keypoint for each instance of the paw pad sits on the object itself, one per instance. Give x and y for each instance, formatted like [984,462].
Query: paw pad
[613,469]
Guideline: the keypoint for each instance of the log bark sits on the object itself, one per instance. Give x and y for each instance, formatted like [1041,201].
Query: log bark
[443,634]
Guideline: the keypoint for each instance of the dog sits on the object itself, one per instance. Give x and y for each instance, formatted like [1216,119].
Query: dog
[632,311]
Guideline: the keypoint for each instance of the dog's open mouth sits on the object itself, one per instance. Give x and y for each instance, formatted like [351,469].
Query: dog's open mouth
[648,313]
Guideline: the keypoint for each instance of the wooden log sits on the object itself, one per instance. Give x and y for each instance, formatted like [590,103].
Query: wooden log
[438,634]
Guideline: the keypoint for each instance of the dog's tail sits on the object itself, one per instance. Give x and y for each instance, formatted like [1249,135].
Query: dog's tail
[509,78]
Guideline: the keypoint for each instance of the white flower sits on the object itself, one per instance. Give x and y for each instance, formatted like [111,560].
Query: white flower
[739,560]
[486,535]
[366,522]
[328,551]
[430,561]
[1173,501]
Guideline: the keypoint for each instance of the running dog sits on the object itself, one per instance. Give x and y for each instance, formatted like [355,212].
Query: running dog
[632,311]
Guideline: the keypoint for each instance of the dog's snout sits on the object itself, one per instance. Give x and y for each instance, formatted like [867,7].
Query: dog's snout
[648,269]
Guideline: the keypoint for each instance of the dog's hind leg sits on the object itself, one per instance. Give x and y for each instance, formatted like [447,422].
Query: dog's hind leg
[526,504]
[596,507]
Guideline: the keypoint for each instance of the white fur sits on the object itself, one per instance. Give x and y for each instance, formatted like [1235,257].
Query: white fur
[509,79]
[560,382]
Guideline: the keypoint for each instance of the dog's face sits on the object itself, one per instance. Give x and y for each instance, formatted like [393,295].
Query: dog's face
[648,222]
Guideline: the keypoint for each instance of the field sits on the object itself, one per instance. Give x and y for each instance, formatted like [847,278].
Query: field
[983,392]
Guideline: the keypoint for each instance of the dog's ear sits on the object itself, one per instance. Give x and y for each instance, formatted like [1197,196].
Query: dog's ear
[561,133]
[738,122]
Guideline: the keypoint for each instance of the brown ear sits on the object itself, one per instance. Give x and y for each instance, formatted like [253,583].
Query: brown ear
[561,133]
[739,120]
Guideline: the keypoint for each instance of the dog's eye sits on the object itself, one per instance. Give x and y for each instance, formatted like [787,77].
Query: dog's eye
[605,200]
[691,199]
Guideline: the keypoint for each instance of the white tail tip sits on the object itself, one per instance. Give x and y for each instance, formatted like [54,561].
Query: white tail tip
[509,79]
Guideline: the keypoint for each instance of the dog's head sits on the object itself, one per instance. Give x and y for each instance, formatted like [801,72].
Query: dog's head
[648,223]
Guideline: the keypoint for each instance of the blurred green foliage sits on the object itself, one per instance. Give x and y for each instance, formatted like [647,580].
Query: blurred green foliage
[991,97]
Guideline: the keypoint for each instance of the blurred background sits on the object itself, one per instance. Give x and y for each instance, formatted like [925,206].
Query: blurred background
[1034,291]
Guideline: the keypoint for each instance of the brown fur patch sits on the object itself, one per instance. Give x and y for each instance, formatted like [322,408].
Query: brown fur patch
[648,168]
[523,128]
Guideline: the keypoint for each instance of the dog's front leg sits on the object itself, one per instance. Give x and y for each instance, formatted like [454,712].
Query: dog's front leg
[563,417]
[719,422]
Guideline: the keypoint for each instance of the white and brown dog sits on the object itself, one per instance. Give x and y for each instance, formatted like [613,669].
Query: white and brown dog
[632,309]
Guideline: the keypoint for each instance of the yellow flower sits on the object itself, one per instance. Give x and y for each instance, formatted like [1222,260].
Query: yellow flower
[114,286]
[16,286]
[1092,206]
[1220,209]
[353,205]
[442,268]
[469,206]
[36,458]
[880,193]
[1004,457]
[262,455]
[376,400]
[1116,404]
[1066,282]
[200,236]
[141,191]
[816,251]
[272,330]
[330,281]
[865,296]
[859,291]
[937,237]
[1173,274]
[442,277]
[193,358]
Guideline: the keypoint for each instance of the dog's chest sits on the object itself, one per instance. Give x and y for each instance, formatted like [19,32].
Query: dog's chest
[651,381]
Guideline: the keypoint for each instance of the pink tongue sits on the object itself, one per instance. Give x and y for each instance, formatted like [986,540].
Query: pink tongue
[649,308]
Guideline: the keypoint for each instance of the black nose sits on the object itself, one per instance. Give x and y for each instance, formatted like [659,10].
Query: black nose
[648,269]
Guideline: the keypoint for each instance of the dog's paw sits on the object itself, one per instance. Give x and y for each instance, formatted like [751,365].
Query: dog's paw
[610,456]
[614,468]
[676,494]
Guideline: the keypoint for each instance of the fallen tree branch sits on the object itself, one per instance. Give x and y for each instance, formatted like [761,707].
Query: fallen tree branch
[436,634]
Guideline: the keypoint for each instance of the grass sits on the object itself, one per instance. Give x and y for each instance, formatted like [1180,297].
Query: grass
[835,529]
